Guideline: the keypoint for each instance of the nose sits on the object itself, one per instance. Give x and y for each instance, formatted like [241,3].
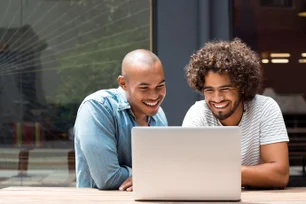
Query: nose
[153,95]
[218,97]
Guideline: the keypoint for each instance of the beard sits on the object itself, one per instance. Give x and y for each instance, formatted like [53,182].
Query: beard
[222,116]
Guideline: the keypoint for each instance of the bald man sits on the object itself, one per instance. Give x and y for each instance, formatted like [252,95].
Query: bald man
[106,117]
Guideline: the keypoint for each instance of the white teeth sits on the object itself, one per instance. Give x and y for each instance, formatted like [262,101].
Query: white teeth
[151,104]
[218,106]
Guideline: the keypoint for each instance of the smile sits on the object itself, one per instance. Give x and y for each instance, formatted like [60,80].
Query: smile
[220,106]
[152,104]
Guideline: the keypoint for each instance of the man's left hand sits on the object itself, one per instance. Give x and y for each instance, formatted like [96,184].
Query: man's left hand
[127,185]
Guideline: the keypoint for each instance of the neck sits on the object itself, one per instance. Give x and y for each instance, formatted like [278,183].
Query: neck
[140,118]
[142,121]
[235,118]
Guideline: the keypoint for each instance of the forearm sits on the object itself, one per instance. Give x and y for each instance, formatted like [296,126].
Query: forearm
[268,175]
[108,180]
[96,148]
[105,169]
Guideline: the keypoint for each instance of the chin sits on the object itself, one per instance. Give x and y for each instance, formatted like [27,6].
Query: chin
[152,113]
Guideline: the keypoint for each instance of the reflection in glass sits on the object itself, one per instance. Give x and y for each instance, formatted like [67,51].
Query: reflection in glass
[280,44]
[52,54]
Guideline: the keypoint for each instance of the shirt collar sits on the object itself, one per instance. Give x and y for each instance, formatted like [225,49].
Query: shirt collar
[122,100]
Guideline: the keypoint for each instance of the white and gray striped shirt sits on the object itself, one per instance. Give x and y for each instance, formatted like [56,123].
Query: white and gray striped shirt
[262,123]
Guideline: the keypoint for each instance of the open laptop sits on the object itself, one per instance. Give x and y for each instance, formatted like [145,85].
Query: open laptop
[186,163]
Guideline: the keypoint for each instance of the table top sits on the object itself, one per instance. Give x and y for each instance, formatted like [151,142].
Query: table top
[46,195]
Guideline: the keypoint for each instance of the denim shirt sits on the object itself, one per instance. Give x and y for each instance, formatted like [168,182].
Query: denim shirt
[103,139]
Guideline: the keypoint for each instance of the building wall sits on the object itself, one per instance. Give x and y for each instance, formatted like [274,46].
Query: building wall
[181,29]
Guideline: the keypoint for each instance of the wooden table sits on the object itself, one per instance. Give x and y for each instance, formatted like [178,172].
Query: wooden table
[46,195]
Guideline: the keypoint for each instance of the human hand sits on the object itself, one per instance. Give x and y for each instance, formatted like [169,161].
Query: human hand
[127,185]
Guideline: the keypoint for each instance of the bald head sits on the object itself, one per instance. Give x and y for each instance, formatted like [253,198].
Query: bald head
[143,81]
[137,59]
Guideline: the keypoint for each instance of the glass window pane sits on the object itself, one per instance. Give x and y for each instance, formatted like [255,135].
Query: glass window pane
[52,54]
[276,3]
[281,47]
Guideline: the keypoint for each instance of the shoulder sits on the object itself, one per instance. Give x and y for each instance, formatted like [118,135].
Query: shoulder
[264,103]
[199,105]
[263,106]
[108,99]
[198,114]
[103,95]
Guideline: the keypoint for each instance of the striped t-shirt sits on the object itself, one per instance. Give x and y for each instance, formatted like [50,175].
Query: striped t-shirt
[262,123]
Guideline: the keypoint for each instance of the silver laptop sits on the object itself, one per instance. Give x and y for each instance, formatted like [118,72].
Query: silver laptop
[186,163]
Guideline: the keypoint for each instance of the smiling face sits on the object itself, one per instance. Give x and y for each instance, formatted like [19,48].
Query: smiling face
[223,98]
[145,88]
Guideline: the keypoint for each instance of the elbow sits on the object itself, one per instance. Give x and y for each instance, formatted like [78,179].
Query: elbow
[282,175]
[107,186]
[102,186]
[283,182]
[110,183]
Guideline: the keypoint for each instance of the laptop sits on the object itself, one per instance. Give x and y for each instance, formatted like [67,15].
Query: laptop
[186,163]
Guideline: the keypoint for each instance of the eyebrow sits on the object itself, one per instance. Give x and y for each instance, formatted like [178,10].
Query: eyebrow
[146,84]
[223,86]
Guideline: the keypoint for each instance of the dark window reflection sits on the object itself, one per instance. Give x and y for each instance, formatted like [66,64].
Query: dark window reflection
[276,3]
[52,54]
[277,31]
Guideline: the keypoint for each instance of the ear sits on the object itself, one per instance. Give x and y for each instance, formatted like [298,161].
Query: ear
[241,90]
[122,82]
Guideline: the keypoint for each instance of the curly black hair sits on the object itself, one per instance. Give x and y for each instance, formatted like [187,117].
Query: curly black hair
[232,57]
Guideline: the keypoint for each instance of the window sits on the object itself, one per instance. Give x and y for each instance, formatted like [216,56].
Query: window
[276,3]
[278,35]
[52,54]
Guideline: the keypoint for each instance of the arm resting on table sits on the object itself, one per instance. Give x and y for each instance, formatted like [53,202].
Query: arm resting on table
[273,173]
[95,132]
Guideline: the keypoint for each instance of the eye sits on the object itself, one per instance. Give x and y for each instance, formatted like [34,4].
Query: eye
[208,90]
[143,88]
[160,86]
[225,89]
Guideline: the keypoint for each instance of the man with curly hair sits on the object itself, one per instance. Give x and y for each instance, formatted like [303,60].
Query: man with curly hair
[229,75]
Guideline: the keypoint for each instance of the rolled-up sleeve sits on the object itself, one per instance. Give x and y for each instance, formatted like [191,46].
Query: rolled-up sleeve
[95,132]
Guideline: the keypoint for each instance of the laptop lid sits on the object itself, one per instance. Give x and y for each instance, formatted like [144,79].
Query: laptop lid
[186,163]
